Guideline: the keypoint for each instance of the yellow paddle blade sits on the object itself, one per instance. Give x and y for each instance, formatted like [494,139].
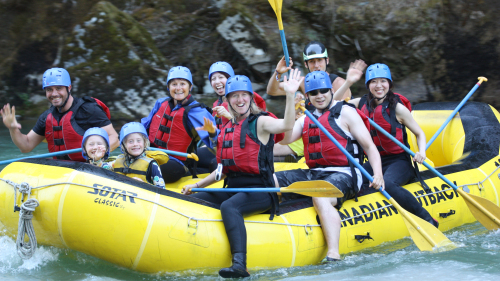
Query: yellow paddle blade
[314,189]
[276,4]
[485,211]
[424,235]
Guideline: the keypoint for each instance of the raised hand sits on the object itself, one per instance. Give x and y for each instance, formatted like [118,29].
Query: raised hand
[9,117]
[356,70]
[99,153]
[222,111]
[292,84]
[208,126]
[281,67]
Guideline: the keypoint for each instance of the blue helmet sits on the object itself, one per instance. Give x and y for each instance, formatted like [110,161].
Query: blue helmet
[317,80]
[378,70]
[220,66]
[56,77]
[130,128]
[181,72]
[238,83]
[96,131]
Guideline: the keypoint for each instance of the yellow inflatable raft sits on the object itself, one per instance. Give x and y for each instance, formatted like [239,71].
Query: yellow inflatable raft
[138,226]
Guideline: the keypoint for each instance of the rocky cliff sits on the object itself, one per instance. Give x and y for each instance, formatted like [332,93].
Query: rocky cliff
[120,51]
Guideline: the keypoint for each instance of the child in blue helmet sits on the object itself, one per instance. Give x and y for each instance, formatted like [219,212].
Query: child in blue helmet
[133,162]
[95,147]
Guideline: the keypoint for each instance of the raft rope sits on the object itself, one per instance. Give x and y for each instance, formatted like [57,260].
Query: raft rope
[479,184]
[159,204]
[25,249]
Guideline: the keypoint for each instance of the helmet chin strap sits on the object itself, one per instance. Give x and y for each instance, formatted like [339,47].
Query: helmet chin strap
[379,99]
[59,108]
[187,97]
[130,158]
[250,106]
[328,106]
[220,100]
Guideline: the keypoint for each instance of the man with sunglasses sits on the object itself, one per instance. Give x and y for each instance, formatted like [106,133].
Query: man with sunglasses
[315,59]
[324,159]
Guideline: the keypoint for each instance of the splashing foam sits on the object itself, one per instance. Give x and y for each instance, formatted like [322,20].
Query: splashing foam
[10,262]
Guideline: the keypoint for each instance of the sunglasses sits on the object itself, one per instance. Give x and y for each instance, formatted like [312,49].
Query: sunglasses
[316,92]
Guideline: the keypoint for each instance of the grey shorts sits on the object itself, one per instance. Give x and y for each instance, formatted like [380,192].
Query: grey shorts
[342,181]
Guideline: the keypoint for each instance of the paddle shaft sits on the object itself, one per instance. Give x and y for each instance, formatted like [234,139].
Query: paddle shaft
[285,48]
[460,105]
[421,229]
[176,153]
[64,152]
[236,190]
[277,9]
[411,153]
[465,195]
[353,161]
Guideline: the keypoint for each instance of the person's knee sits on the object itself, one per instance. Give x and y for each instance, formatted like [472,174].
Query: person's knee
[390,186]
[322,203]
[228,207]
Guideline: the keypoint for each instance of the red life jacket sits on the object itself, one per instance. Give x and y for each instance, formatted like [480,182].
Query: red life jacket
[385,117]
[169,129]
[67,134]
[319,150]
[240,152]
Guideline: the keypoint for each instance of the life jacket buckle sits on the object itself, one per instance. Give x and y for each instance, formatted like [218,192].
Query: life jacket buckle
[218,172]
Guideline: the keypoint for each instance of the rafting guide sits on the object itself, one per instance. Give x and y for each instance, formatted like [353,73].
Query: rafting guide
[65,122]
[315,57]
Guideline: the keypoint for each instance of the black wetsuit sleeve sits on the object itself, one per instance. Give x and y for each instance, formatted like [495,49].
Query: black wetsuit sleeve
[91,115]
[39,127]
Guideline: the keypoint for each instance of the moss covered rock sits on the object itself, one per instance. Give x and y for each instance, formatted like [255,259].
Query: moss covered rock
[112,57]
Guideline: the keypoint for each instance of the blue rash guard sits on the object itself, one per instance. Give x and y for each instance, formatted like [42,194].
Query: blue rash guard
[195,117]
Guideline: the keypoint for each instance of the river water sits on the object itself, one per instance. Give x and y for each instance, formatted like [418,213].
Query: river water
[476,258]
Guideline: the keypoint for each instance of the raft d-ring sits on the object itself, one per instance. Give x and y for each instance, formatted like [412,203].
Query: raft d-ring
[189,225]
[480,186]
[310,229]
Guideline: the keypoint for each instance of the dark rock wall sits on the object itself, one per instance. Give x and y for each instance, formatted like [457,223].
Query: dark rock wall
[119,51]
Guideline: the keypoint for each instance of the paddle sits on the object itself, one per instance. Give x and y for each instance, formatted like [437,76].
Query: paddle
[481,79]
[308,188]
[424,234]
[64,152]
[190,155]
[276,4]
[485,211]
